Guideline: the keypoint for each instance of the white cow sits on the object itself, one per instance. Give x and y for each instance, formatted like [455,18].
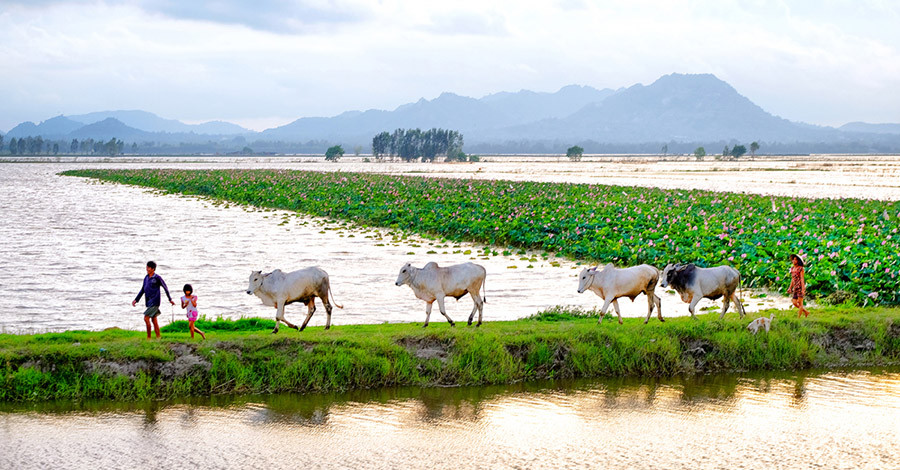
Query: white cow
[694,284]
[434,283]
[277,289]
[612,284]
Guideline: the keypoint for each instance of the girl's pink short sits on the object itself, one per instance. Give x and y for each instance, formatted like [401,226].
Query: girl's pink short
[192,316]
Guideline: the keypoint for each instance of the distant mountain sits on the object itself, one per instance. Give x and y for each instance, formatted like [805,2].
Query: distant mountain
[468,115]
[681,108]
[109,128]
[150,122]
[51,128]
[871,128]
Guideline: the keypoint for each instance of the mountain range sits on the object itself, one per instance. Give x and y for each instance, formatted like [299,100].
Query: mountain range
[676,108]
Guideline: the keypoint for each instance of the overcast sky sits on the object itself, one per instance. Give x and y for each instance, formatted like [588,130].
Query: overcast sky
[268,62]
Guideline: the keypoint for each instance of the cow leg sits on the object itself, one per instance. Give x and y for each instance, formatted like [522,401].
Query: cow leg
[440,301]
[618,313]
[603,310]
[277,319]
[658,307]
[328,309]
[725,303]
[694,301]
[478,307]
[650,296]
[738,304]
[311,308]
[280,316]
[427,313]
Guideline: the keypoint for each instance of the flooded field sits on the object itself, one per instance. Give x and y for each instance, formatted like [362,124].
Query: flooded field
[74,250]
[77,250]
[771,420]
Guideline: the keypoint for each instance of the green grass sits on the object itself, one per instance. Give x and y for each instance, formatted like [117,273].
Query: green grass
[243,357]
[851,245]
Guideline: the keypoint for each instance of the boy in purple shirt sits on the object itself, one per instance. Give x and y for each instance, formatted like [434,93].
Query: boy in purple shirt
[150,290]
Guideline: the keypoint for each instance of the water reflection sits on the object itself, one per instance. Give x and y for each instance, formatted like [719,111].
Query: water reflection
[830,419]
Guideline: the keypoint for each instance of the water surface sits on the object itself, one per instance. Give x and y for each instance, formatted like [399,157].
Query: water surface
[773,420]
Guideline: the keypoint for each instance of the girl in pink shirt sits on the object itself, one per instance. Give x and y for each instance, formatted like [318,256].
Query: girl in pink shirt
[189,303]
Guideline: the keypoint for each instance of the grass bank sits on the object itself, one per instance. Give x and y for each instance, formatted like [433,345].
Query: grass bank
[851,245]
[243,357]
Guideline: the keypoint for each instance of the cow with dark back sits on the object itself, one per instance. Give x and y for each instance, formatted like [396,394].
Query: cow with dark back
[693,284]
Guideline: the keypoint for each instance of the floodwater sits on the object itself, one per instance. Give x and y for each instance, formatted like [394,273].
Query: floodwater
[74,251]
[776,420]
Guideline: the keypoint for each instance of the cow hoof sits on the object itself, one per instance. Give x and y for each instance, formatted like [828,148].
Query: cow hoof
[296,328]
[425,325]
[470,323]
[274,331]
[661,320]
[620,322]
[477,324]
[328,327]
[452,324]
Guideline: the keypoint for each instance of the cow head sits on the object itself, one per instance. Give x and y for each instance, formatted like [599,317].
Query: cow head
[667,274]
[405,273]
[585,278]
[256,280]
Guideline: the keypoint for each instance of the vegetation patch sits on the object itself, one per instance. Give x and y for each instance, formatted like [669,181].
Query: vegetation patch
[850,245]
[243,357]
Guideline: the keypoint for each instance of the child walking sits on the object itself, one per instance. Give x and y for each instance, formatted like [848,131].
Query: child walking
[189,303]
[797,288]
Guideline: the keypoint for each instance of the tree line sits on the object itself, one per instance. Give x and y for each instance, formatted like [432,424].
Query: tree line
[412,144]
[38,146]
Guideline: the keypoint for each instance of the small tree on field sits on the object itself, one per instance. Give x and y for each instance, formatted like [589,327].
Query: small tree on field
[665,149]
[726,152]
[738,151]
[700,152]
[754,146]
[574,153]
[334,153]
[246,151]
[357,150]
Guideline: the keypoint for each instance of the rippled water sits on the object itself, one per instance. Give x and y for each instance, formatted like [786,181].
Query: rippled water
[74,250]
[827,420]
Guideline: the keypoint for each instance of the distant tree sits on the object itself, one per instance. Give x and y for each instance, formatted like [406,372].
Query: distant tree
[55,148]
[73,147]
[13,146]
[246,151]
[21,146]
[726,152]
[754,146]
[738,150]
[1,143]
[381,144]
[665,149]
[357,150]
[134,147]
[334,153]
[457,156]
[700,152]
[575,153]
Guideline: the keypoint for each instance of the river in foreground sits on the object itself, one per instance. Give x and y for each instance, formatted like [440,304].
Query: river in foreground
[771,420]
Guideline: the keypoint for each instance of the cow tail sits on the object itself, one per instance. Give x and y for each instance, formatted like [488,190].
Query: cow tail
[484,289]
[331,294]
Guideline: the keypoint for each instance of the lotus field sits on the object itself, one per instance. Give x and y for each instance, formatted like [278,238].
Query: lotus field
[851,246]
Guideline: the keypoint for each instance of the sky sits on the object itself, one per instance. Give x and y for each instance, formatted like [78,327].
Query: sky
[265,63]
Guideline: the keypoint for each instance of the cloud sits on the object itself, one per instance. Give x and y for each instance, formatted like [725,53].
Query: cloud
[281,16]
[472,23]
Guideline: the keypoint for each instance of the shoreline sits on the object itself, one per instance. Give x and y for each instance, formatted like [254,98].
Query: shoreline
[242,357]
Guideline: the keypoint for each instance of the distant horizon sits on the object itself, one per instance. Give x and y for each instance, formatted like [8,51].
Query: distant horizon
[255,124]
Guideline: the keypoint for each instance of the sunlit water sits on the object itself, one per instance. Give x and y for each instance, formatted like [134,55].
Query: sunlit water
[827,420]
[73,254]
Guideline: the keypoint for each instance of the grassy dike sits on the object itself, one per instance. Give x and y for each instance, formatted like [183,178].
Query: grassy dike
[243,357]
